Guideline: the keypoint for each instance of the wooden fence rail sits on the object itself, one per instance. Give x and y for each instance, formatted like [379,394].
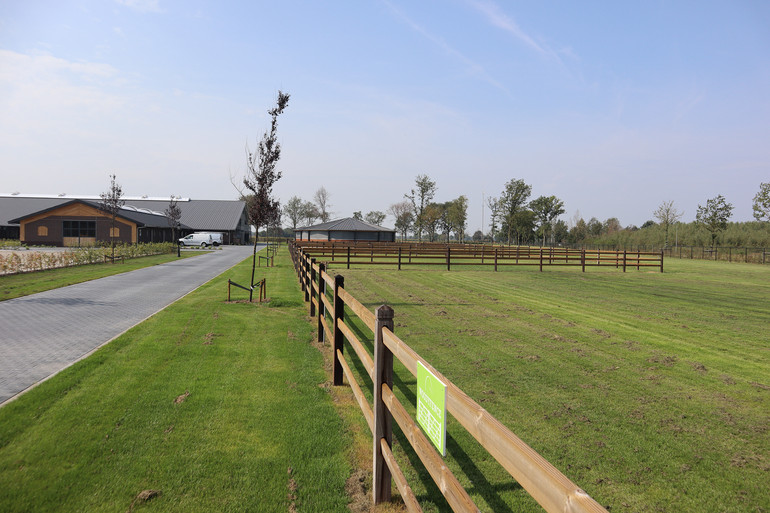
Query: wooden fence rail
[413,254]
[328,299]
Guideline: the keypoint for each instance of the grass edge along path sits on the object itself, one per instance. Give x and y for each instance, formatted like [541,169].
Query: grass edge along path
[217,406]
[24,284]
[648,390]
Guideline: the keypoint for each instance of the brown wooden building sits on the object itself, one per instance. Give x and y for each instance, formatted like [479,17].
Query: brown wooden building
[83,223]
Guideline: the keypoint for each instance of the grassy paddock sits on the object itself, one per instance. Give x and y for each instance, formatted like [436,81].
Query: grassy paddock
[651,391]
[220,406]
[17,285]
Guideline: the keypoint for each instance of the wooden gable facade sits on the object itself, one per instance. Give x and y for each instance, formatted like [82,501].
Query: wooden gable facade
[75,224]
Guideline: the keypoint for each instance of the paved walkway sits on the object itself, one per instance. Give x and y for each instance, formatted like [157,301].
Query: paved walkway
[44,333]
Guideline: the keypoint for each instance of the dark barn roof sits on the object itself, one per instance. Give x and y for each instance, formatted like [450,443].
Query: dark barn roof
[348,224]
[210,215]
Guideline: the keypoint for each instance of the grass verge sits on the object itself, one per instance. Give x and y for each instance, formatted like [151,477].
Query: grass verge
[17,285]
[217,406]
[648,390]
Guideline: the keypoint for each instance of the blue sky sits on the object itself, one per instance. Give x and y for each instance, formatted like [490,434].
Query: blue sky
[613,107]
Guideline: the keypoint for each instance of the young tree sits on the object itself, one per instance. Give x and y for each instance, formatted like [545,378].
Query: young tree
[375,217]
[457,216]
[111,202]
[261,175]
[494,216]
[173,213]
[667,214]
[714,216]
[294,210]
[611,225]
[546,210]
[321,200]
[420,197]
[309,213]
[431,217]
[402,213]
[511,202]
[761,205]
[358,215]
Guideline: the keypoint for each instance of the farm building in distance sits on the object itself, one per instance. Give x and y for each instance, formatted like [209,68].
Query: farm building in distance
[63,221]
[348,228]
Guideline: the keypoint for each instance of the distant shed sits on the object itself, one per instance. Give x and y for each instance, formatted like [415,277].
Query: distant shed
[348,228]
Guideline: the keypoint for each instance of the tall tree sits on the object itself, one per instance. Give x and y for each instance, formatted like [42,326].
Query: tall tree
[111,202]
[761,205]
[294,210]
[431,218]
[667,214]
[714,216]
[309,213]
[358,215]
[321,200]
[261,175]
[375,217]
[173,214]
[420,197]
[402,213]
[546,210]
[511,202]
[457,216]
[494,216]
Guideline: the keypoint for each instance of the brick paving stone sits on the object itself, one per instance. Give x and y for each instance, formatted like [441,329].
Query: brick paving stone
[44,333]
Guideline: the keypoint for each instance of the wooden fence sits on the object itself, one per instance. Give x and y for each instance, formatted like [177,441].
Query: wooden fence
[349,253]
[328,300]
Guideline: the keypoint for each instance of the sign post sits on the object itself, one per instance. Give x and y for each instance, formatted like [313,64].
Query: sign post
[431,407]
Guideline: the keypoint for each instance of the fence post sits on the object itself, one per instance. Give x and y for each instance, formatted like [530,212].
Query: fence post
[339,308]
[541,259]
[383,420]
[661,261]
[305,287]
[448,258]
[495,259]
[228,291]
[399,258]
[312,292]
[321,305]
[583,259]
[624,259]
[348,257]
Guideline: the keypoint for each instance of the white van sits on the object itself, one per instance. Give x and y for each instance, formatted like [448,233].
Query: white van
[202,239]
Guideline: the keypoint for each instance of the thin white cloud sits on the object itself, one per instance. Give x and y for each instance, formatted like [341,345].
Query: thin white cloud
[142,5]
[473,67]
[501,20]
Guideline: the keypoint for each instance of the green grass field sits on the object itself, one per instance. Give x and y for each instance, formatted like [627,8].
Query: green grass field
[651,391]
[17,285]
[219,406]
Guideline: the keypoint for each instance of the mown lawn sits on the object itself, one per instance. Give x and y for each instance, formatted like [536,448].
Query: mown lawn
[17,285]
[651,391]
[218,406]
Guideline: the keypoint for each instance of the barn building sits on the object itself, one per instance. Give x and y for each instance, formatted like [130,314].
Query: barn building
[349,229]
[65,221]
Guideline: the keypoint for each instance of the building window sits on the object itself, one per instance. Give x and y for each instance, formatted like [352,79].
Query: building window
[114,232]
[79,228]
[42,231]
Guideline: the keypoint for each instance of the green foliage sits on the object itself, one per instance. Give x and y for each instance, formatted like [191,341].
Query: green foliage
[761,204]
[420,197]
[27,261]
[714,215]
[510,204]
[375,217]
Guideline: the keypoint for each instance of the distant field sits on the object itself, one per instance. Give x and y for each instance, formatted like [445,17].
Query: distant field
[651,391]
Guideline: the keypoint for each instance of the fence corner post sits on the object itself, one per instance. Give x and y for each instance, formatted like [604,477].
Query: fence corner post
[321,305]
[383,420]
[337,345]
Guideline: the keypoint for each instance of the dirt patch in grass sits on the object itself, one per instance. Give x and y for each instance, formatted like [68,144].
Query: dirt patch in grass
[141,497]
[181,398]
[292,495]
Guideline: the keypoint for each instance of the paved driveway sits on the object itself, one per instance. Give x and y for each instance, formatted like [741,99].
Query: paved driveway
[44,333]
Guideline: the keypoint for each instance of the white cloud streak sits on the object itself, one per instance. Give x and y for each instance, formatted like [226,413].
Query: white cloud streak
[142,5]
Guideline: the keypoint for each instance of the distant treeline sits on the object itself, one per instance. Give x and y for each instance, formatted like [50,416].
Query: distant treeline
[738,234]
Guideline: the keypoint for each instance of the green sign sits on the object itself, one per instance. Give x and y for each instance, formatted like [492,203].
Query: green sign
[431,407]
